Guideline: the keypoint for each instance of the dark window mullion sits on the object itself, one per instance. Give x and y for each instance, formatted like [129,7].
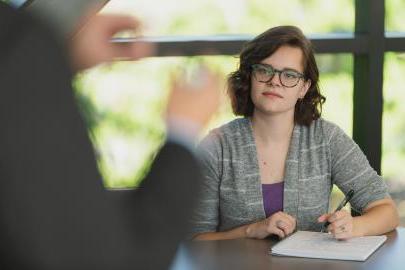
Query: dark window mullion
[232,44]
[368,80]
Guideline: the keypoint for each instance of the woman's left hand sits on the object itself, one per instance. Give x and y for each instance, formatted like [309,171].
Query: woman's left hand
[341,224]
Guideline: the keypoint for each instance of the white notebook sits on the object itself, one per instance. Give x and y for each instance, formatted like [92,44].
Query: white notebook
[324,246]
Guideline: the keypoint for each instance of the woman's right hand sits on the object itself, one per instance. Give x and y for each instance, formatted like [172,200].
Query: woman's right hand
[279,223]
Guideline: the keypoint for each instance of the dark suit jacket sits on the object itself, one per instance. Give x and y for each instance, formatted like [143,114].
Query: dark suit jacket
[54,210]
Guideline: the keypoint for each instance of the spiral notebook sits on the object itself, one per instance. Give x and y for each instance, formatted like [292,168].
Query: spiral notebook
[324,246]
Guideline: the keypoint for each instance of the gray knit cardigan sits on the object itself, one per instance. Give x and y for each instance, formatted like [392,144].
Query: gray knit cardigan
[319,156]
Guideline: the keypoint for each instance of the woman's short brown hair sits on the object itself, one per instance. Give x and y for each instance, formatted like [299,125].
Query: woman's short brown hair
[261,47]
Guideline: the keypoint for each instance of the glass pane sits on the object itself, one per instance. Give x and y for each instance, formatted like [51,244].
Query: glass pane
[123,103]
[336,84]
[206,17]
[393,146]
[394,16]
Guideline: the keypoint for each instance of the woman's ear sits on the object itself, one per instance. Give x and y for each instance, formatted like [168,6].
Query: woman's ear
[305,87]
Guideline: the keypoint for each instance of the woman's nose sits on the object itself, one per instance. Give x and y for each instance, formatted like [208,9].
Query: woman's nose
[275,80]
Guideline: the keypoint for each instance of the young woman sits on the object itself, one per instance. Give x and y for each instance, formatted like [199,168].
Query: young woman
[272,171]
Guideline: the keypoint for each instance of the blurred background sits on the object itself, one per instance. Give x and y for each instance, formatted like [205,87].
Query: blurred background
[123,102]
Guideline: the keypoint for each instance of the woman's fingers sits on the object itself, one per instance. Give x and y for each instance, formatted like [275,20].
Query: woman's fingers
[341,225]
[286,227]
[344,233]
[284,222]
[280,224]
[289,218]
[337,215]
[324,217]
[277,231]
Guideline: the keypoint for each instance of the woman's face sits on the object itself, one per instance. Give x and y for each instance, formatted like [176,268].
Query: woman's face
[269,94]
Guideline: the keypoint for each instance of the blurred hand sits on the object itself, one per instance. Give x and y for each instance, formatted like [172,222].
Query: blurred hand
[341,224]
[91,45]
[194,98]
[280,224]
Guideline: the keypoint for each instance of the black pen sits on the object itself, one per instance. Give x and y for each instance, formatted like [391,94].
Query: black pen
[347,198]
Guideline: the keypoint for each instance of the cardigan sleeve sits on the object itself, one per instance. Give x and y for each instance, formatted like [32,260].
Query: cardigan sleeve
[351,170]
[206,214]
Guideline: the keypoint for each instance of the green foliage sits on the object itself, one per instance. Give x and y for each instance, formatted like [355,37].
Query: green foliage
[393,123]
[394,19]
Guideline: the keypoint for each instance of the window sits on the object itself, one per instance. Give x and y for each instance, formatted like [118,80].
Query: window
[127,114]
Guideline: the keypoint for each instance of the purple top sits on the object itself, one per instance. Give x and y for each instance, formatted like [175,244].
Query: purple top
[273,197]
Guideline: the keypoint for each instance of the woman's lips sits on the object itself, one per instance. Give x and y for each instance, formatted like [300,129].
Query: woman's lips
[271,94]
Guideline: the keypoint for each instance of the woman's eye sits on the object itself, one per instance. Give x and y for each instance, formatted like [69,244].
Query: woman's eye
[290,75]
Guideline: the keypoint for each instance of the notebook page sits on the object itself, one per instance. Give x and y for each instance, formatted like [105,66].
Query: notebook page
[324,246]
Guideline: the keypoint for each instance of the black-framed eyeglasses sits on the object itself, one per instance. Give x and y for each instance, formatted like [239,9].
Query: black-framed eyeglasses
[265,73]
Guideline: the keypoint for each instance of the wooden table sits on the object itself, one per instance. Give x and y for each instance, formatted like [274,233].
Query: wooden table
[254,254]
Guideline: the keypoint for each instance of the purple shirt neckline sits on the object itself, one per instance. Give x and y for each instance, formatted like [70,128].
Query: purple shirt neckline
[273,197]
